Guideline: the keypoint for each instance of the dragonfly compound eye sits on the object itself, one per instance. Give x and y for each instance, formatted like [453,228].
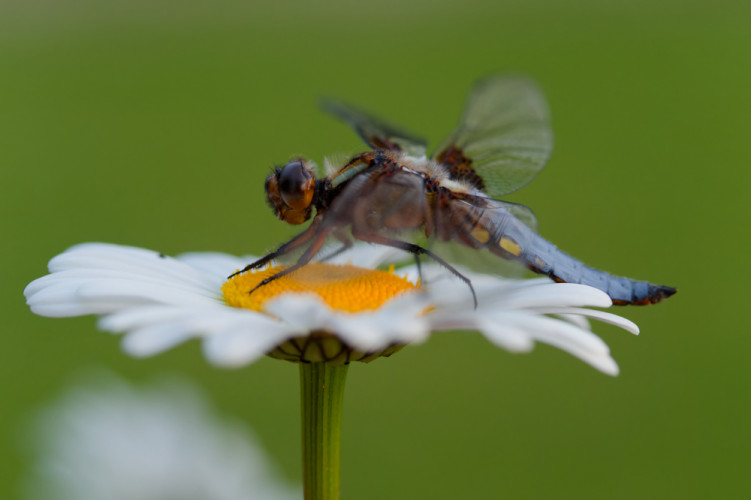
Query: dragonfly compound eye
[296,185]
[290,187]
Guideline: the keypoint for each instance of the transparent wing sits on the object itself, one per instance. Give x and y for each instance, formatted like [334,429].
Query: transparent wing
[504,138]
[521,212]
[376,132]
[477,260]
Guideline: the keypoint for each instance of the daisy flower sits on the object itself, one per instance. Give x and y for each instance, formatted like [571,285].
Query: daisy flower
[322,316]
[104,438]
[332,312]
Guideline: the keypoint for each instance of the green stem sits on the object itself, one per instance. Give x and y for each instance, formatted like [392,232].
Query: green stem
[322,388]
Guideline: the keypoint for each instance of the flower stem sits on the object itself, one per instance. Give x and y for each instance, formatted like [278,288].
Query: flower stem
[322,388]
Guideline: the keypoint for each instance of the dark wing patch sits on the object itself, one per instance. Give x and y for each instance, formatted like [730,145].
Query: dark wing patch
[504,136]
[460,167]
[377,133]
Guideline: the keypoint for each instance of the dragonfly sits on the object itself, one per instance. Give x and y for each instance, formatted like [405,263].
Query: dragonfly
[503,141]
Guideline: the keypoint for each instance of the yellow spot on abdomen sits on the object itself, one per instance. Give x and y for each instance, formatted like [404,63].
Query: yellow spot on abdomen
[480,234]
[344,288]
[510,246]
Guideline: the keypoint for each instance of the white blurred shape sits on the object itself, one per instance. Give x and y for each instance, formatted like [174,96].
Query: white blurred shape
[109,440]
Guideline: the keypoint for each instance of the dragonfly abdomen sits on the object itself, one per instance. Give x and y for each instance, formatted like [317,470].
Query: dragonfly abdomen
[514,241]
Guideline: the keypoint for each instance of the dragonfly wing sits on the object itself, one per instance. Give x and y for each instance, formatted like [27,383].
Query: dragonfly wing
[477,260]
[504,138]
[377,133]
[521,212]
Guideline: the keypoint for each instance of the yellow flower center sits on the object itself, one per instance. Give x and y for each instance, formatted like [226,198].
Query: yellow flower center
[344,288]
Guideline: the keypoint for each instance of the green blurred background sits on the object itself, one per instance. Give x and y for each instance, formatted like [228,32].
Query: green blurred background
[154,123]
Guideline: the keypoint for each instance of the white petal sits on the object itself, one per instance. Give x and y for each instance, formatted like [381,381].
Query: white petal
[138,317]
[550,329]
[507,335]
[202,321]
[154,339]
[215,264]
[603,316]
[576,341]
[304,312]
[136,261]
[77,277]
[73,309]
[554,294]
[397,321]
[575,319]
[130,291]
[371,332]
[234,348]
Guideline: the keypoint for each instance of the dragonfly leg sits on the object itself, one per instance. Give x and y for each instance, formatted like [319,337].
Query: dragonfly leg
[346,245]
[290,246]
[305,258]
[417,250]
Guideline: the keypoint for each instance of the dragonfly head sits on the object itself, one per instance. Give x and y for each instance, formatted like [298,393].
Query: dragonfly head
[290,190]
